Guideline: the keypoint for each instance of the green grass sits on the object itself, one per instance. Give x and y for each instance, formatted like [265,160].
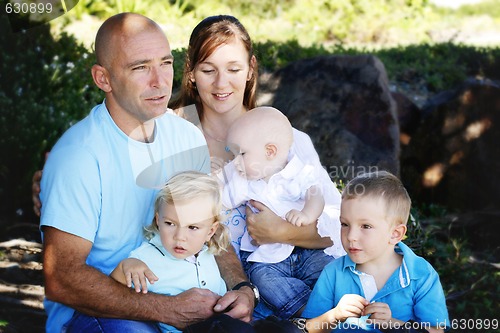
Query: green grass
[489,8]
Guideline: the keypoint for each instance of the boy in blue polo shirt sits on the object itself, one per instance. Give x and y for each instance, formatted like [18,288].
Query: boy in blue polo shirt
[381,284]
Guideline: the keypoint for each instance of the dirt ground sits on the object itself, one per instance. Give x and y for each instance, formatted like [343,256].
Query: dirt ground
[21,280]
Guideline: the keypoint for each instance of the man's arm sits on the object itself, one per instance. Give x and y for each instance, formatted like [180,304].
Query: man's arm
[69,280]
[265,227]
[238,303]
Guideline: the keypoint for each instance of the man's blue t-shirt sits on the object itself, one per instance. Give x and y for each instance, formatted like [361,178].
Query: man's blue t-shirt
[100,185]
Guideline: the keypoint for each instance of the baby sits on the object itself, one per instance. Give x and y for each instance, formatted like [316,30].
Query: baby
[266,169]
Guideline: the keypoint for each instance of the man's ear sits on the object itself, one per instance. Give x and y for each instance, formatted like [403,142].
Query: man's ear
[271,151]
[398,233]
[101,78]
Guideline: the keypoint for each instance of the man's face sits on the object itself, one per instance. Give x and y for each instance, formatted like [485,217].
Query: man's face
[141,76]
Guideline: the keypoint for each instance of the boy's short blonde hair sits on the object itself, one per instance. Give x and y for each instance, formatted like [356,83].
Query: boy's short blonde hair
[384,186]
[192,185]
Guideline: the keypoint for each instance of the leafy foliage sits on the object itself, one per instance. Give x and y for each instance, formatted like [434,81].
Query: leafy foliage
[471,285]
[440,66]
[349,22]
[45,86]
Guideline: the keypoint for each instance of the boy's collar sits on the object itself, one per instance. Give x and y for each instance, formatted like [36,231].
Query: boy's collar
[404,274]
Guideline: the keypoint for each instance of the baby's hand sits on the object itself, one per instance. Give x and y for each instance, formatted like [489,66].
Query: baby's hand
[350,305]
[297,218]
[136,272]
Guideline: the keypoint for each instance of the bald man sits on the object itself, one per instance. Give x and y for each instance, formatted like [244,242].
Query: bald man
[98,190]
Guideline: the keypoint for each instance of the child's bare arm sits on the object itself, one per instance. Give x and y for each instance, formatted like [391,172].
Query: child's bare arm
[134,271]
[313,207]
[118,275]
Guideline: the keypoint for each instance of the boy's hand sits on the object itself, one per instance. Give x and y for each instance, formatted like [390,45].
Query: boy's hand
[136,272]
[350,305]
[297,218]
[379,312]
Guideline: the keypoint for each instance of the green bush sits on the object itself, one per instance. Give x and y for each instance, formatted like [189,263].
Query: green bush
[45,86]
[440,66]
[437,67]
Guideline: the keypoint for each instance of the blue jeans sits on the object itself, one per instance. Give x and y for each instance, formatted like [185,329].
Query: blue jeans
[218,324]
[88,324]
[286,286]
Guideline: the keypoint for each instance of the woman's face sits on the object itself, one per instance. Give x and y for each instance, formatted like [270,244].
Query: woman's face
[221,79]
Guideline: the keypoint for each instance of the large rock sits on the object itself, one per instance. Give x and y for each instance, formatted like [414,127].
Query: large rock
[454,157]
[344,104]
[409,115]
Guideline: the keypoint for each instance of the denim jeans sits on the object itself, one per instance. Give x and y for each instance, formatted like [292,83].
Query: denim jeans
[88,324]
[224,324]
[286,286]
[220,324]
[217,324]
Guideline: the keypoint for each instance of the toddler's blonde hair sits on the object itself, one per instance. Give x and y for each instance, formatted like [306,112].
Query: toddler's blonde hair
[191,185]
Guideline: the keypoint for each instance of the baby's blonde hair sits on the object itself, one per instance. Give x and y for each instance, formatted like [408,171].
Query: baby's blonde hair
[384,186]
[191,185]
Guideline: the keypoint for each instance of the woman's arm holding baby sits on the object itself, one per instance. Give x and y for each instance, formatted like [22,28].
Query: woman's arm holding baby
[265,227]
